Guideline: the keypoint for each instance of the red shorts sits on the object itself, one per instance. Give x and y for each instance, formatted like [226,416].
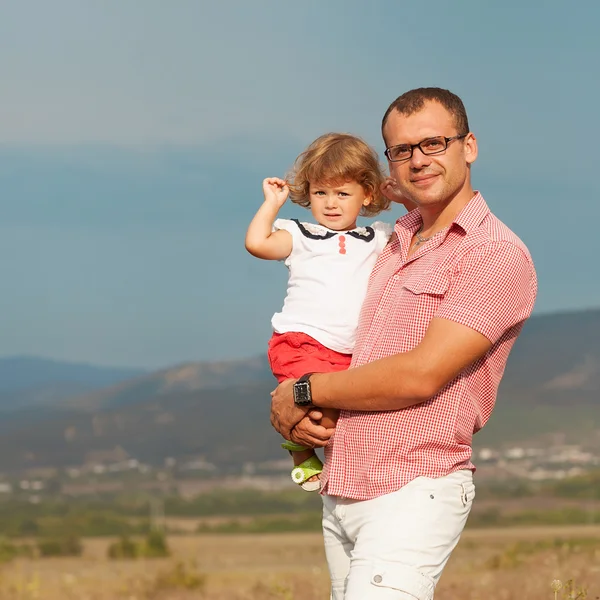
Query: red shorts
[293,354]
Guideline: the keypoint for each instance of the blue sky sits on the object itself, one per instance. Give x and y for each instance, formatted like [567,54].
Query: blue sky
[134,138]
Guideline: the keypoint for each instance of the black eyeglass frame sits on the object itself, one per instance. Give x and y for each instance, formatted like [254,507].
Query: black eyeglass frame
[447,140]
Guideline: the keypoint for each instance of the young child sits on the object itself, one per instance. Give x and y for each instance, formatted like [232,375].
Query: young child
[338,177]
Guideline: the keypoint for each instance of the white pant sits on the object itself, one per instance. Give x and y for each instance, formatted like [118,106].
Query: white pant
[394,547]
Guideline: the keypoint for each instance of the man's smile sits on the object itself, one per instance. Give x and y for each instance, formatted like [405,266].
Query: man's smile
[423,180]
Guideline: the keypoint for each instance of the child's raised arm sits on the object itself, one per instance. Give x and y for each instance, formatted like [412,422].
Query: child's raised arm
[261,241]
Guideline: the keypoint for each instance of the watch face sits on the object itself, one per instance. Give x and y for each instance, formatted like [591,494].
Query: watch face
[302,393]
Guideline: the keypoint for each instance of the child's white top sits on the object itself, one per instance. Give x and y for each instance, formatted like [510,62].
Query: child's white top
[329,273]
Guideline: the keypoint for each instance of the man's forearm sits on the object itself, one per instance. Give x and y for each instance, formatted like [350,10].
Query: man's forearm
[390,383]
[405,379]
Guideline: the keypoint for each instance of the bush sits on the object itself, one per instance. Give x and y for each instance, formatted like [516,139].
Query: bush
[68,545]
[28,527]
[154,546]
[8,550]
[123,548]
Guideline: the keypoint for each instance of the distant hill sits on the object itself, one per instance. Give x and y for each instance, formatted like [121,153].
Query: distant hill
[556,358]
[27,381]
[226,426]
[220,410]
[551,388]
[190,377]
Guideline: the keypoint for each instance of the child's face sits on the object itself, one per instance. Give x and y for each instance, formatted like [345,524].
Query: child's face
[337,206]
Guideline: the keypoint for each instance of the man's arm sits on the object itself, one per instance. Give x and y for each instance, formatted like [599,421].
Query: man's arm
[404,379]
[389,383]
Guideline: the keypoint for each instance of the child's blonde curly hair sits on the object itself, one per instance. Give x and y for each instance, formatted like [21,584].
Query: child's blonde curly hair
[336,158]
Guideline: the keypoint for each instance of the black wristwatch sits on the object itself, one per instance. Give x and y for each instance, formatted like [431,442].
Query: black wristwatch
[302,392]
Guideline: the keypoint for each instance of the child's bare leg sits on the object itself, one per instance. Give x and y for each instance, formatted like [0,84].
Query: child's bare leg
[300,457]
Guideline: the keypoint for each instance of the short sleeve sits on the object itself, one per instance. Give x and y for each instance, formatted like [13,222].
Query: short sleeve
[292,228]
[286,224]
[383,232]
[493,290]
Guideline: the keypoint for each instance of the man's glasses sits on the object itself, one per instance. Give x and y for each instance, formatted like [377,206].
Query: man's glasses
[433,145]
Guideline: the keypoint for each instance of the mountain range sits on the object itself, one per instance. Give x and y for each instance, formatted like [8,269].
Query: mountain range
[30,381]
[219,410]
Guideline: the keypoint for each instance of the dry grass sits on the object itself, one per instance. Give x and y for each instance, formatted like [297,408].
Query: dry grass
[506,564]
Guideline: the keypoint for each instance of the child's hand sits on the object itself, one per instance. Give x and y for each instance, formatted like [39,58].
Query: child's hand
[389,188]
[276,190]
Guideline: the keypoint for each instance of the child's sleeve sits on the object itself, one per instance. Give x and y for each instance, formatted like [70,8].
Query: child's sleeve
[292,228]
[383,232]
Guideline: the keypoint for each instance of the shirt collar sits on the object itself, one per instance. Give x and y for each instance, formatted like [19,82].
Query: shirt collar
[473,214]
[470,217]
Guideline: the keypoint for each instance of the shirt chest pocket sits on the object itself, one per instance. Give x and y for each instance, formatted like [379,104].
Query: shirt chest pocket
[427,284]
[421,296]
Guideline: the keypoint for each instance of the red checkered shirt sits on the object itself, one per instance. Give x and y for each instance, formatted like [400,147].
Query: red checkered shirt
[477,273]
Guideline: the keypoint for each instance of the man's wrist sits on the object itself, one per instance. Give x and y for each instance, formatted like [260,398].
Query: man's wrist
[317,388]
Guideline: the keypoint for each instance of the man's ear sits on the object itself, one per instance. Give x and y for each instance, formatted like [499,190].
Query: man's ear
[471,149]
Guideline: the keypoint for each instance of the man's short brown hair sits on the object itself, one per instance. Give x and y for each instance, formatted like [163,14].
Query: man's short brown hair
[335,158]
[413,101]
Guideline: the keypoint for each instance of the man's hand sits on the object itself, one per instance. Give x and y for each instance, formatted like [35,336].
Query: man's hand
[300,425]
[284,413]
[276,190]
[309,433]
[389,188]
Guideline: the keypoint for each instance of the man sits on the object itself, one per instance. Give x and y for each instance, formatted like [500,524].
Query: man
[446,301]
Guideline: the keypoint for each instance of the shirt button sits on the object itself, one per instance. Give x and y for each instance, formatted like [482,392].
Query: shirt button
[377,578]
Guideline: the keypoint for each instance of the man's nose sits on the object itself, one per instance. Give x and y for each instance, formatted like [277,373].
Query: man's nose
[418,160]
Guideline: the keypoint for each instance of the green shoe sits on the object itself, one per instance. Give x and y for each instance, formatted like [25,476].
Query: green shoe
[293,447]
[304,471]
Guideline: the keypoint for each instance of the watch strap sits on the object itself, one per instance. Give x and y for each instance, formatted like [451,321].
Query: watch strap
[304,378]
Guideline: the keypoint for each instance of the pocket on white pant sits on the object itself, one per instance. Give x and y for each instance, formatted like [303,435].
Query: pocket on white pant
[403,578]
[467,493]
